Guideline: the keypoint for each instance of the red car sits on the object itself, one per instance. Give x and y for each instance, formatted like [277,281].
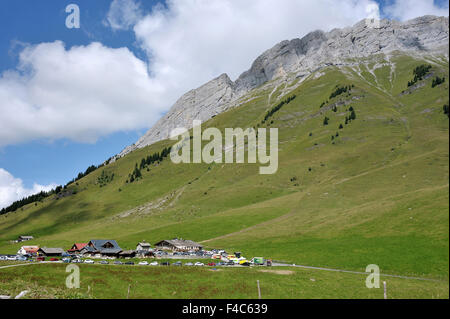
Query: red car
[211,264]
[40,258]
[54,259]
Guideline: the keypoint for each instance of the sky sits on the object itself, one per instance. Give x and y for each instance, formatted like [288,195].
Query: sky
[73,97]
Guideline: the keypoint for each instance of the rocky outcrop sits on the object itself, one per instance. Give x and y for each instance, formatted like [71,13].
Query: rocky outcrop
[202,103]
[298,58]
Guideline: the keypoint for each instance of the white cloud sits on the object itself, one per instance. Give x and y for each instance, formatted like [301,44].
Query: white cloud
[408,9]
[123,14]
[81,94]
[12,189]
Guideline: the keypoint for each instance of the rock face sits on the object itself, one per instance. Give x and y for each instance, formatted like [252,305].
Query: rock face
[202,104]
[298,58]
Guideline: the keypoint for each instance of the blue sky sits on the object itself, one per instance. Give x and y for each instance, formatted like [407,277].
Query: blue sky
[50,130]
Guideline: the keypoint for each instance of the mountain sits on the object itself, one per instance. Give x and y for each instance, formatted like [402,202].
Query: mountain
[367,186]
[299,58]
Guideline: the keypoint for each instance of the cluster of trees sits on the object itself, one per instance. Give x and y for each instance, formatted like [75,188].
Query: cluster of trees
[437,80]
[445,108]
[277,108]
[419,72]
[352,115]
[348,119]
[42,195]
[104,178]
[341,89]
[39,197]
[80,175]
[338,90]
[147,161]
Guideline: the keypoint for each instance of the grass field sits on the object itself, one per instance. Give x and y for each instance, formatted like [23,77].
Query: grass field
[377,193]
[99,281]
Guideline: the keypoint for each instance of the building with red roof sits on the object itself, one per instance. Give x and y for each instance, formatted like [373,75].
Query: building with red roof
[76,248]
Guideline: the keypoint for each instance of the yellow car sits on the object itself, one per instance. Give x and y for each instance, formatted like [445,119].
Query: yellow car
[244,262]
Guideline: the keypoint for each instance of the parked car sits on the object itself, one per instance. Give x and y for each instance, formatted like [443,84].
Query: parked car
[11,258]
[143,263]
[230,263]
[189,264]
[88,261]
[244,262]
[178,263]
[199,264]
[66,260]
[221,263]
[154,263]
[118,262]
[211,264]
[21,258]
[40,258]
[77,261]
[103,262]
[129,263]
[54,259]
[165,263]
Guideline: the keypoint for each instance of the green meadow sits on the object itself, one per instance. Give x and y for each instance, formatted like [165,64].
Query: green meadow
[106,282]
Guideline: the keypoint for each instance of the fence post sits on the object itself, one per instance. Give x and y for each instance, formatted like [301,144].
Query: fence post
[385,293]
[259,290]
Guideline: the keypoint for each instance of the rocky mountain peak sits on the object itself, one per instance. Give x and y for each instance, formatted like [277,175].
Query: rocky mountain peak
[299,58]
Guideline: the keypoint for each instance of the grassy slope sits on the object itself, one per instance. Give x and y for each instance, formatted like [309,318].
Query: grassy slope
[378,195]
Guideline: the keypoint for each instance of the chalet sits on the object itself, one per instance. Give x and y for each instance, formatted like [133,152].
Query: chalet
[101,248]
[76,248]
[28,250]
[143,246]
[24,238]
[178,245]
[50,252]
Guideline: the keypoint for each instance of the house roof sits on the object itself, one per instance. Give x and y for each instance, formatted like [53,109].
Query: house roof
[144,244]
[98,246]
[28,237]
[48,250]
[30,249]
[180,243]
[78,246]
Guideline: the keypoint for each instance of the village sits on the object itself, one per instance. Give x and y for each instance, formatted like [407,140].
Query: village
[108,251]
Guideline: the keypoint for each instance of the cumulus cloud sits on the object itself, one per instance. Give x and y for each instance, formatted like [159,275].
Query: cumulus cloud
[12,189]
[81,93]
[123,14]
[408,9]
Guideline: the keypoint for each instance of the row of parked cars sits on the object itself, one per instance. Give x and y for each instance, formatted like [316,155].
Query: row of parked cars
[146,263]
[13,257]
